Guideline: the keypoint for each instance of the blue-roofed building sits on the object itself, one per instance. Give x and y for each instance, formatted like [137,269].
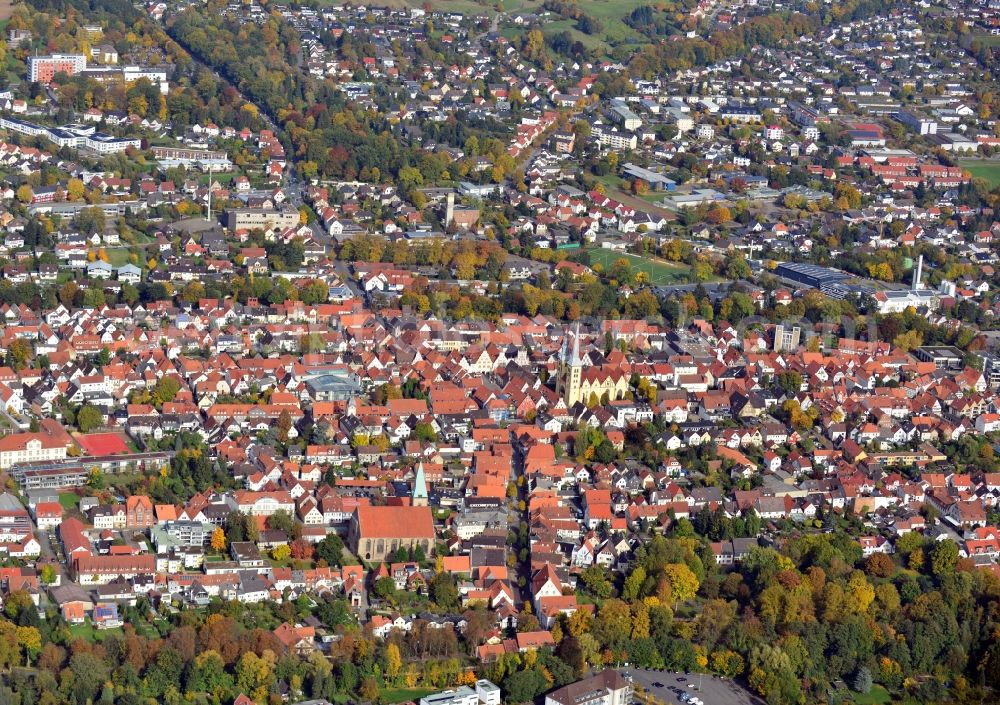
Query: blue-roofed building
[809,274]
[656,180]
[106,616]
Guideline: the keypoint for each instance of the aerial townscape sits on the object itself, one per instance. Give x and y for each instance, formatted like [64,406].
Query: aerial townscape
[496,352]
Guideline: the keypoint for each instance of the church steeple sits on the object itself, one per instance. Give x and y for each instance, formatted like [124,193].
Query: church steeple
[419,497]
[572,373]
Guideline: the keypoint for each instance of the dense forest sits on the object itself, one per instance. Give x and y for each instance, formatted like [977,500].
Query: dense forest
[328,135]
[792,622]
[197,96]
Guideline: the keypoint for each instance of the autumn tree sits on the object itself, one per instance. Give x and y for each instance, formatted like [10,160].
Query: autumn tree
[19,353]
[909,340]
[302,550]
[67,293]
[683,582]
[879,565]
[255,675]
[393,661]
[75,189]
[218,540]
[719,215]
[283,425]
[29,639]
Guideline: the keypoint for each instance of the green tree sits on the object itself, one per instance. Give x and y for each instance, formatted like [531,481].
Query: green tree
[208,675]
[944,558]
[633,584]
[89,674]
[595,579]
[444,592]
[385,589]
[524,686]
[331,550]
[282,521]
[88,418]
[425,432]
[165,390]
[790,381]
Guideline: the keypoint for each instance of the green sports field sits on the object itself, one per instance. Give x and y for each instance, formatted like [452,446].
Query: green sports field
[986,169]
[660,271]
[401,695]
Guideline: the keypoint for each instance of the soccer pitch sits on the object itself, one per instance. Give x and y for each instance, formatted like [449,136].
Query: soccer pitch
[658,271]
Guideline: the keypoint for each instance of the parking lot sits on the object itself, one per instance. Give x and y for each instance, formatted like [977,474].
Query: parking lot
[711,690]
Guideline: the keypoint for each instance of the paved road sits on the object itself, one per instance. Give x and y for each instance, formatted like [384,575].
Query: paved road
[714,691]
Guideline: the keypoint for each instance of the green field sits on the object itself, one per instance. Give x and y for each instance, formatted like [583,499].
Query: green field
[69,500]
[465,7]
[117,256]
[986,169]
[876,696]
[614,184]
[390,696]
[990,40]
[609,12]
[660,271]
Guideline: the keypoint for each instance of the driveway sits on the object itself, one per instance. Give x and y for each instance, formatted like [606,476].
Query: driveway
[710,689]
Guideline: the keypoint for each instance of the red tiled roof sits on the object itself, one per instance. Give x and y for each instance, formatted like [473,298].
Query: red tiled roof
[395,522]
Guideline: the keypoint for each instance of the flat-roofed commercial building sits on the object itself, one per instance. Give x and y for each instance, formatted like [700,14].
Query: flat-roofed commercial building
[261,218]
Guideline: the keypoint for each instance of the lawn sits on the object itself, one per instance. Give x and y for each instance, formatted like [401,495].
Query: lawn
[224,178]
[69,500]
[390,696]
[615,185]
[117,256]
[612,182]
[609,12]
[465,7]
[986,169]
[591,41]
[990,40]
[660,271]
[876,696]
[89,632]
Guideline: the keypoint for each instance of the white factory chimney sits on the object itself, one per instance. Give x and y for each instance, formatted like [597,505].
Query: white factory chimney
[918,273]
